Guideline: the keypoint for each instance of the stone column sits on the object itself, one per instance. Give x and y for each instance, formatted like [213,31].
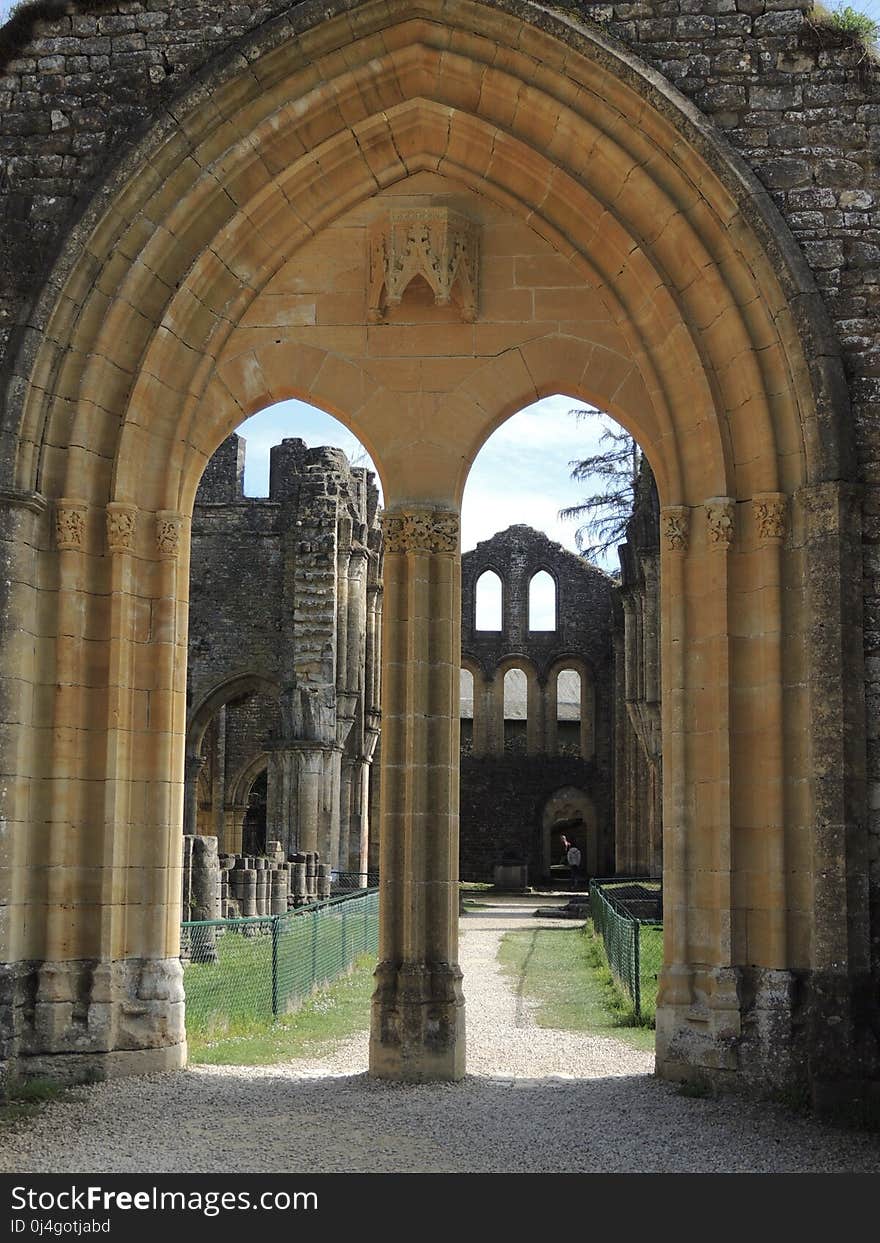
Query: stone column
[769,511]
[218,774]
[494,701]
[417,1030]
[359,777]
[535,735]
[192,767]
[295,796]
[330,843]
[347,813]
[479,744]
[715,819]
[676,976]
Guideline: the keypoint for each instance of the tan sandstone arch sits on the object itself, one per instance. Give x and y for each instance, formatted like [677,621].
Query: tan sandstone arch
[625,258]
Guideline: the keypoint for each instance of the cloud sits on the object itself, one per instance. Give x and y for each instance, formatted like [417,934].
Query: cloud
[521,475]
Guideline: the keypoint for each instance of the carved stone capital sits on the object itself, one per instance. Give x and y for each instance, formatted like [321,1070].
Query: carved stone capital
[70,524]
[421,530]
[770,516]
[675,525]
[168,527]
[434,243]
[121,524]
[720,515]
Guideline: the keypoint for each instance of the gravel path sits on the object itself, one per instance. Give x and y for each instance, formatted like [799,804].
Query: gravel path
[534,1100]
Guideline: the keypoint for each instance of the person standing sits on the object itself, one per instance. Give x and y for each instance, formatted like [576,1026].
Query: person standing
[573,859]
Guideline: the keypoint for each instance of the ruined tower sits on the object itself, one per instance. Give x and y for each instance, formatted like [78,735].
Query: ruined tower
[282,680]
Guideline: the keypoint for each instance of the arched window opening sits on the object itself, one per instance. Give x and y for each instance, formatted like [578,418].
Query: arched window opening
[568,712]
[542,602]
[488,601]
[254,828]
[516,689]
[466,711]
[256,461]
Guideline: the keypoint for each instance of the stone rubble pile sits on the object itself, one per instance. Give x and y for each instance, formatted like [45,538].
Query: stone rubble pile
[232,886]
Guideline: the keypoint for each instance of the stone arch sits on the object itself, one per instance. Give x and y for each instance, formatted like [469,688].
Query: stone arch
[536,575]
[246,776]
[707,341]
[534,707]
[587,704]
[488,576]
[482,707]
[235,687]
[570,811]
[239,793]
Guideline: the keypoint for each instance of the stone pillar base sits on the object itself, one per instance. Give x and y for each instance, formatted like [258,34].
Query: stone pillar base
[74,1068]
[417,1023]
[91,1019]
[806,1037]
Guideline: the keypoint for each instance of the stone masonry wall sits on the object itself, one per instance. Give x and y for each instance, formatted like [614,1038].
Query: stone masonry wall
[264,609]
[503,796]
[502,803]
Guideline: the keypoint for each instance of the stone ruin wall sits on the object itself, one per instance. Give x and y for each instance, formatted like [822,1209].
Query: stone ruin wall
[798,102]
[283,652]
[505,797]
[638,754]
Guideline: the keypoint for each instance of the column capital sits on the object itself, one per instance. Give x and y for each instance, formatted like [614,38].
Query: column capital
[121,525]
[675,526]
[421,530]
[169,524]
[720,518]
[70,524]
[770,516]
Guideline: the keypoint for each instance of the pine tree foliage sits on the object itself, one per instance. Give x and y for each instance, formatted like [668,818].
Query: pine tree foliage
[604,514]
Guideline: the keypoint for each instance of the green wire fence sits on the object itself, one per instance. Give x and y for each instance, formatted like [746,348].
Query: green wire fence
[245,969]
[628,915]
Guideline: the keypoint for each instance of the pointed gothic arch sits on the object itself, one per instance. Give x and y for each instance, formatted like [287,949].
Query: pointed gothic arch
[687,313]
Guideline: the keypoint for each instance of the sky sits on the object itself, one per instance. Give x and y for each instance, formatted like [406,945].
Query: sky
[522,473]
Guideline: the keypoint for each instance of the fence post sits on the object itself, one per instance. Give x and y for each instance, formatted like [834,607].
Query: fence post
[637,972]
[314,949]
[344,939]
[275,922]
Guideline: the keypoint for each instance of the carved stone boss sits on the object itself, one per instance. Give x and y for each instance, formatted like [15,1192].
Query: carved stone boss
[439,245]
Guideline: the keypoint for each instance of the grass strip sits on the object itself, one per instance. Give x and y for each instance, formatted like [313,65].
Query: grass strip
[332,1014]
[564,970]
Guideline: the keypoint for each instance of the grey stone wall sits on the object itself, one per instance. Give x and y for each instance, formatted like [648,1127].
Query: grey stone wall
[264,618]
[638,785]
[503,796]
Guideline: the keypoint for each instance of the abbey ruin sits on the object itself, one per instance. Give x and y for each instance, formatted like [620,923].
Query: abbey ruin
[283,669]
[420,217]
